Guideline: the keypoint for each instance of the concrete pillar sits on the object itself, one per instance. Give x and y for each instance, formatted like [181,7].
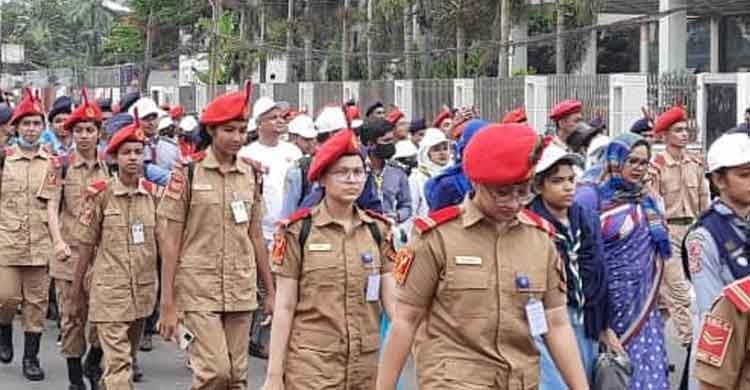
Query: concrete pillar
[588,66]
[519,32]
[714,54]
[644,52]
[672,36]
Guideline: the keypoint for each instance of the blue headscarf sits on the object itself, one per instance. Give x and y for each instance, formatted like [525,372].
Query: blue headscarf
[615,190]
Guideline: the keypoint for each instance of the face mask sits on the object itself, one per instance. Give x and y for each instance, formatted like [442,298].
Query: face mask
[410,162]
[28,145]
[384,151]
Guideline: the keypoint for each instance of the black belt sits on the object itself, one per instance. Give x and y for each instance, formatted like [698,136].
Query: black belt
[684,221]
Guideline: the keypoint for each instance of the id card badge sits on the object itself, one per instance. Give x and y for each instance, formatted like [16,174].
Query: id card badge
[136,232]
[536,317]
[239,212]
[184,337]
[373,287]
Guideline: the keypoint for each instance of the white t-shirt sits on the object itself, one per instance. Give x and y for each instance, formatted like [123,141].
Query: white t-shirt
[277,159]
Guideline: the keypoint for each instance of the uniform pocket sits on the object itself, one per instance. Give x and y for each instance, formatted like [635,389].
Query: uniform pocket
[371,342]
[203,196]
[317,341]
[465,374]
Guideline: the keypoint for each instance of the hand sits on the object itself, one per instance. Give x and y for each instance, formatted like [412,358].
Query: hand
[168,321]
[610,339]
[269,303]
[274,382]
[62,250]
[76,304]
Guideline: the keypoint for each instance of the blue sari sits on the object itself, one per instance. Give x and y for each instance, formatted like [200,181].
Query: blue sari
[636,243]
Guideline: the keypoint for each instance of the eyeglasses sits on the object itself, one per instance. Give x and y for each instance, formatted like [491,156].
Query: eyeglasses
[637,162]
[357,174]
[520,192]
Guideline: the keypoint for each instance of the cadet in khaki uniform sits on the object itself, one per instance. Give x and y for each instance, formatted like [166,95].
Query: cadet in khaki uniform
[723,352]
[83,167]
[333,267]
[118,218]
[682,185]
[29,188]
[212,248]
[483,278]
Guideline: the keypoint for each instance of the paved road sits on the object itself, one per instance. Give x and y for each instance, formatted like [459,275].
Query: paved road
[164,368]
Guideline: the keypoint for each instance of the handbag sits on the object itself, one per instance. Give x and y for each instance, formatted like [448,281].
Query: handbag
[612,371]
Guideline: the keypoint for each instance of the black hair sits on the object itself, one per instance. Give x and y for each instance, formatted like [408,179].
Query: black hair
[541,177]
[373,129]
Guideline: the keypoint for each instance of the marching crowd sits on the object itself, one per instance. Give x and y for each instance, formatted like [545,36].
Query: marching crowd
[336,246]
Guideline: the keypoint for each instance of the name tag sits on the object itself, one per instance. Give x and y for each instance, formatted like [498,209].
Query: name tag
[136,231]
[536,317]
[202,187]
[112,212]
[319,247]
[239,211]
[468,260]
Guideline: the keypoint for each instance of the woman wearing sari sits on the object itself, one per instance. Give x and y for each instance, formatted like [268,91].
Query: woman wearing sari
[635,246]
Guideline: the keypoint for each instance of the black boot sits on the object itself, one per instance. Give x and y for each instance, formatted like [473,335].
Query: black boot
[31,369]
[92,367]
[6,343]
[75,374]
[146,343]
[137,372]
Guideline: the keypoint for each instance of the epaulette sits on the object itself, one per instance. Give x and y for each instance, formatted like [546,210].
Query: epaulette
[738,293]
[57,161]
[196,157]
[529,217]
[6,151]
[294,217]
[257,166]
[96,187]
[150,187]
[379,217]
[695,159]
[436,218]
[659,161]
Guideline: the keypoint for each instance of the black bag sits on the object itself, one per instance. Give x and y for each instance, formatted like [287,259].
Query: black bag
[612,371]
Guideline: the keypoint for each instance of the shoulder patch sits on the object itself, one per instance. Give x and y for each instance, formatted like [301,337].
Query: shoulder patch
[279,248]
[403,259]
[294,217]
[659,161]
[437,218]
[57,161]
[531,218]
[176,185]
[713,341]
[380,217]
[96,187]
[195,157]
[150,187]
[738,293]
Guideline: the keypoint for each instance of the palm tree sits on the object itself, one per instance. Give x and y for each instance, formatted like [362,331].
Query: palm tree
[96,17]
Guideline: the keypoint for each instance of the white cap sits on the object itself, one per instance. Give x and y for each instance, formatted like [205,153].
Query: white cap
[432,137]
[330,118]
[554,153]
[405,148]
[729,150]
[164,123]
[303,126]
[265,104]
[188,124]
[146,106]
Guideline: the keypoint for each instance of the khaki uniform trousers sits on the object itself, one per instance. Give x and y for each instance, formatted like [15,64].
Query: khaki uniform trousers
[218,354]
[73,333]
[27,286]
[119,341]
[674,292]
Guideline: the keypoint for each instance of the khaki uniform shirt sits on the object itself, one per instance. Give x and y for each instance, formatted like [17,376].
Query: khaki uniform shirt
[124,281]
[26,185]
[216,269]
[682,185]
[466,274]
[333,317]
[723,349]
[79,175]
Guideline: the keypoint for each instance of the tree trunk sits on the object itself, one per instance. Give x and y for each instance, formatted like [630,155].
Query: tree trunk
[408,63]
[370,70]
[425,10]
[147,51]
[345,43]
[214,52]
[262,41]
[289,22]
[460,37]
[505,17]
[308,43]
[559,41]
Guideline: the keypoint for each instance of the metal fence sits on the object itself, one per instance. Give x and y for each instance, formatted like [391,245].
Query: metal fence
[591,90]
[669,89]
[495,97]
[429,97]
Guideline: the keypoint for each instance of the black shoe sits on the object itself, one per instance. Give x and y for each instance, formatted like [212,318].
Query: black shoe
[6,343]
[137,372]
[146,343]
[75,374]
[31,369]
[92,367]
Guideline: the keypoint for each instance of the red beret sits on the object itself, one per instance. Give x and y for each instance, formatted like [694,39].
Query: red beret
[395,116]
[458,128]
[565,108]
[88,111]
[441,118]
[502,154]
[352,113]
[28,106]
[130,133]
[176,112]
[516,116]
[228,107]
[340,144]
[669,118]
